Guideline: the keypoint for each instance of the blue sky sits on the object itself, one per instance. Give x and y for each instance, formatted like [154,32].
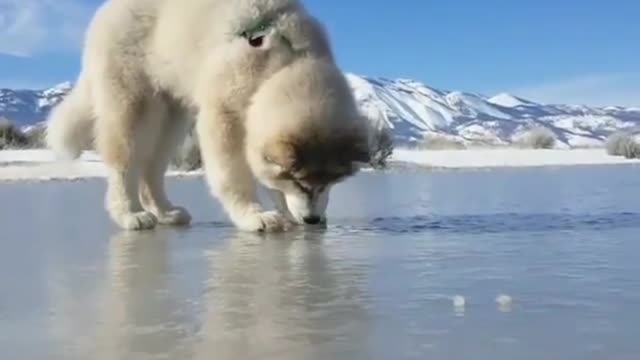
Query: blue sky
[555,51]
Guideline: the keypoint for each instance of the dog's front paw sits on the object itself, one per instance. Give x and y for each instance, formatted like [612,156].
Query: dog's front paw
[174,217]
[266,221]
[142,220]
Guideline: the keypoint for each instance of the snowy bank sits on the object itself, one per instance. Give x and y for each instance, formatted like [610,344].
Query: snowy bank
[40,165]
[495,158]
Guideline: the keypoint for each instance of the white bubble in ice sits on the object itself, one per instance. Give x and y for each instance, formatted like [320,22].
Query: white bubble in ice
[504,303]
[504,300]
[459,301]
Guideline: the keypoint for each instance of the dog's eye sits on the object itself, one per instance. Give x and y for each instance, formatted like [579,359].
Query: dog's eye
[256,41]
[256,38]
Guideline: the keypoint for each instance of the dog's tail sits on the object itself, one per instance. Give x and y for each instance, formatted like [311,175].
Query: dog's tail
[69,128]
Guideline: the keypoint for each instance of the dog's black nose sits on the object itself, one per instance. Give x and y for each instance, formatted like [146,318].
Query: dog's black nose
[312,220]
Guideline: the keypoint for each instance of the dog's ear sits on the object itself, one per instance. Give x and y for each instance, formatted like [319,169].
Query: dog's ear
[281,153]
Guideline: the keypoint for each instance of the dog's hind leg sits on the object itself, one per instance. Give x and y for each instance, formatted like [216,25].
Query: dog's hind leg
[126,133]
[173,129]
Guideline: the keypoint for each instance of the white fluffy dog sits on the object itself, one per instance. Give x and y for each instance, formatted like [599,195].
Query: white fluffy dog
[258,77]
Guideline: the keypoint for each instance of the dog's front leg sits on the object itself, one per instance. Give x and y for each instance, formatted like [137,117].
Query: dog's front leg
[230,179]
[280,203]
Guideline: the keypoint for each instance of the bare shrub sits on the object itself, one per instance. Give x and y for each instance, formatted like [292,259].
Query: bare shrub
[10,136]
[187,156]
[539,138]
[441,142]
[36,137]
[623,144]
[381,148]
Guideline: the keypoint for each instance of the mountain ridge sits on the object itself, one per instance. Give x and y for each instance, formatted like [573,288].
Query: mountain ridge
[412,110]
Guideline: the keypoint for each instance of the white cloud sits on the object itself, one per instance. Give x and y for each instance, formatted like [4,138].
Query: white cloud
[622,89]
[28,27]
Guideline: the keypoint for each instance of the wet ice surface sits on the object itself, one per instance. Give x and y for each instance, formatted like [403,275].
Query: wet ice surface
[384,281]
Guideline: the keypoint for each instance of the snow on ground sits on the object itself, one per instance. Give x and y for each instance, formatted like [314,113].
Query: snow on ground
[41,165]
[16,165]
[491,158]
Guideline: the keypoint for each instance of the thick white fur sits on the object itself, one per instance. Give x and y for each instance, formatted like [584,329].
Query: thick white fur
[308,98]
[151,65]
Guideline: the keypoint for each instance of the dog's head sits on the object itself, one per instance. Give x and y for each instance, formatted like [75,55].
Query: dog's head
[305,168]
[304,135]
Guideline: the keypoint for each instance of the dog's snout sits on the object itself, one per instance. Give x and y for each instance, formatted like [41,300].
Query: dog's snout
[312,220]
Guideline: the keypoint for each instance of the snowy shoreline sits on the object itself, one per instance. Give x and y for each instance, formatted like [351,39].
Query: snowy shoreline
[507,157]
[41,165]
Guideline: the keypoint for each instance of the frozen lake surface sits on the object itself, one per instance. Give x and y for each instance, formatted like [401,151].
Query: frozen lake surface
[562,244]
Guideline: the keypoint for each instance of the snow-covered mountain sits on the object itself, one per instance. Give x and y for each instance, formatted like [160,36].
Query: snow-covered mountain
[412,110]
[27,107]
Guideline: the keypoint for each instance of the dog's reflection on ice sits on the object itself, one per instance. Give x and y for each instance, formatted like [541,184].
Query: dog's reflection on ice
[263,296]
